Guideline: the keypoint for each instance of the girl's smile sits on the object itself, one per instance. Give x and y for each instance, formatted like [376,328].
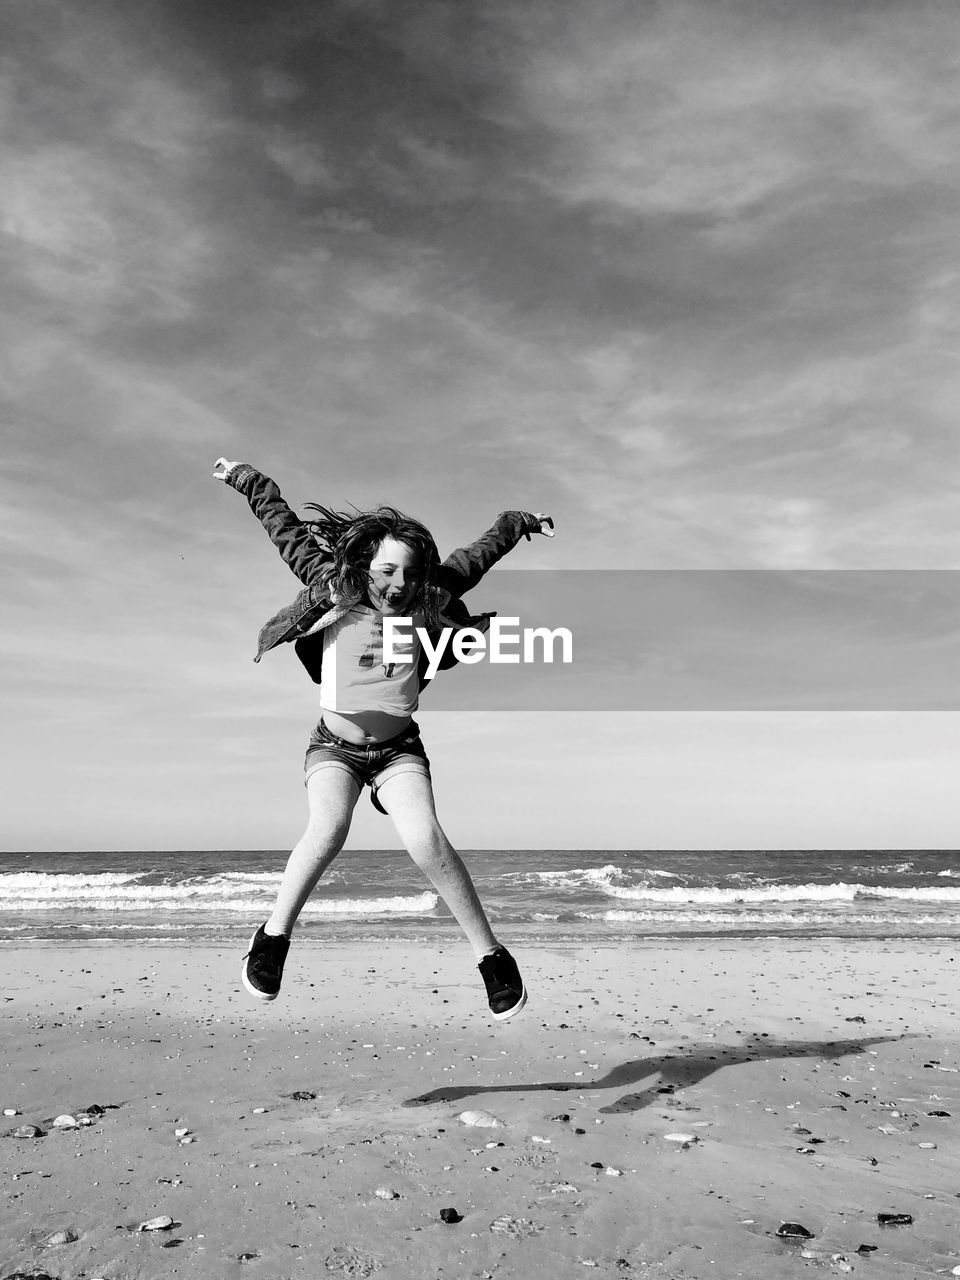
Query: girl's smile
[394,577]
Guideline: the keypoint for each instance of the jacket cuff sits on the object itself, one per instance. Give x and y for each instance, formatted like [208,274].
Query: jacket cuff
[520,522]
[237,477]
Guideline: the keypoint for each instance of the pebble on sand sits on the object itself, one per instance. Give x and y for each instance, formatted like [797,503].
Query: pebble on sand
[10,1111]
[450,1215]
[28,1131]
[517,1228]
[61,1237]
[895,1219]
[66,1122]
[793,1231]
[480,1119]
[163,1222]
[387,1193]
[684,1139]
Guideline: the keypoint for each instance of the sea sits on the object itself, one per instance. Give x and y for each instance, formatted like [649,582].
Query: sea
[586,895]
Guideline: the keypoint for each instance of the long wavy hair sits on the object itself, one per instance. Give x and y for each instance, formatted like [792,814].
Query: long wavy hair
[352,540]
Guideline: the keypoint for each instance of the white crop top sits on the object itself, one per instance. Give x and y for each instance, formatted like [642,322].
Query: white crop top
[353,676]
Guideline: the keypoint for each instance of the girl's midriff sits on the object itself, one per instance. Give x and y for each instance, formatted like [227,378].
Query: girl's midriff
[365,727]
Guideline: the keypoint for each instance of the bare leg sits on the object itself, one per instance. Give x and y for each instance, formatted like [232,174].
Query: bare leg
[332,794]
[408,798]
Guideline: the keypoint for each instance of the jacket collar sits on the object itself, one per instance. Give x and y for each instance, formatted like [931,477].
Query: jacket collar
[340,608]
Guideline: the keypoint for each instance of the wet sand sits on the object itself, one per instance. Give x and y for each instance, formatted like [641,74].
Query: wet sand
[324,1134]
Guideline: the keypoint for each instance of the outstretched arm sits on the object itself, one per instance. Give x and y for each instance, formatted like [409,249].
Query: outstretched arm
[287,532]
[463,568]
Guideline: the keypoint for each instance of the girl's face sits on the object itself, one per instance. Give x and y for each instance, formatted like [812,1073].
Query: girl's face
[394,577]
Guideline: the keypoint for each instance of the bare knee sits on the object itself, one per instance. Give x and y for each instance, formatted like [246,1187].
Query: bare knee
[429,847]
[323,838]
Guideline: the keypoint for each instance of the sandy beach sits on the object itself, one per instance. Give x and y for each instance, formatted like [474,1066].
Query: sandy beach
[662,1110]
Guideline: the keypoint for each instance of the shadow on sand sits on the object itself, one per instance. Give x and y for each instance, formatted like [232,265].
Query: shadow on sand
[665,1072]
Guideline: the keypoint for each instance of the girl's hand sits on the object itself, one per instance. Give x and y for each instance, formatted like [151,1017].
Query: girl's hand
[546,526]
[222,468]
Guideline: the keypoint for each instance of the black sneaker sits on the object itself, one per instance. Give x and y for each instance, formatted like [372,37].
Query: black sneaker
[505,990]
[263,965]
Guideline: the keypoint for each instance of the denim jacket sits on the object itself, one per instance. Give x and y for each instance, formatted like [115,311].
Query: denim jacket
[304,620]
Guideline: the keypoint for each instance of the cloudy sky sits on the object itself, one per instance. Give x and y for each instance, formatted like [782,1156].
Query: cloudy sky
[684,274]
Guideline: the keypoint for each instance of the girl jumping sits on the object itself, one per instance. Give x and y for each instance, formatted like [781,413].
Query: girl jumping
[356,570]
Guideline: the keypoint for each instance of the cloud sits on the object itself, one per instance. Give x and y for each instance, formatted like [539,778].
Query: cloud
[302,162]
[715,110]
[98,212]
[92,247]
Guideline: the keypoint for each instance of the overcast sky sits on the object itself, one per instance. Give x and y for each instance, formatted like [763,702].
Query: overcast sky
[685,275]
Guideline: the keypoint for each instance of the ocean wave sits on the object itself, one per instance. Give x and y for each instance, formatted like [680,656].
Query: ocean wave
[418,904]
[839,892]
[71,927]
[170,899]
[602,879]
[569,877]
[252,877]
[163,897]
[42,881]
[780,919]
[881,868]
[54,890]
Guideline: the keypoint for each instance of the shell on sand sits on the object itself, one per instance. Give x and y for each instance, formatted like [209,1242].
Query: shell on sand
[480,1119]
[517,1228]
[61,1237]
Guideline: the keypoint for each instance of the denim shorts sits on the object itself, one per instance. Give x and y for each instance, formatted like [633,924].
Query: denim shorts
[368,765]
